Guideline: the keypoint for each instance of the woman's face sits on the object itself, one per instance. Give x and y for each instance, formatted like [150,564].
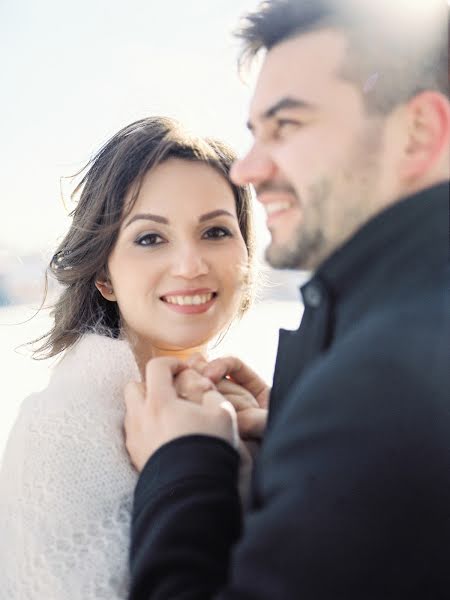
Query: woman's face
[178,267]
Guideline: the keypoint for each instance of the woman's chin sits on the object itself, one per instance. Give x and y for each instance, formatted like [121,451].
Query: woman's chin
[182,347]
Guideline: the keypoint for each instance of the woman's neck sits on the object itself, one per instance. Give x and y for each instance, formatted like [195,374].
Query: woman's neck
[143,355]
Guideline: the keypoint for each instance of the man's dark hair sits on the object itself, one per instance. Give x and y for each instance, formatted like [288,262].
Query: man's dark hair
[396,49]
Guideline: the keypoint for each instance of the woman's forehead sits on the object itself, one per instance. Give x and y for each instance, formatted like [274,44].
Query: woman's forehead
[177,185]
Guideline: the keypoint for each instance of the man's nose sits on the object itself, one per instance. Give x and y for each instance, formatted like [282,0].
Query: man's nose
[255,167]
[189,262]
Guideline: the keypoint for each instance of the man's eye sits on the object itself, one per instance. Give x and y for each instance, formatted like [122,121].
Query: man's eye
[149,239]
[283,126]
[215,233]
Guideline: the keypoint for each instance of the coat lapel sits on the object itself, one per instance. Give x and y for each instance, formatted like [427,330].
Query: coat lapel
[298,349]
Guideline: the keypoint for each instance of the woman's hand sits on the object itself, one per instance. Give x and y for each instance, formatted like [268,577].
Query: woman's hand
[242,387]
[251,417]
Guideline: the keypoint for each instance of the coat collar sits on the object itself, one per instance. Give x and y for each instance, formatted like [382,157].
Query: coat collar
[414,226]
[396,249]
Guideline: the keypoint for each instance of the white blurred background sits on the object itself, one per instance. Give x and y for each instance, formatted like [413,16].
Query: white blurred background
[72,74]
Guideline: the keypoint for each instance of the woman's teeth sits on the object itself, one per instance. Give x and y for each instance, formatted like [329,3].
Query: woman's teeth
[188,300]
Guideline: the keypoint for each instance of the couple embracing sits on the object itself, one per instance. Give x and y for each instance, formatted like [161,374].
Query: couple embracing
[146,471]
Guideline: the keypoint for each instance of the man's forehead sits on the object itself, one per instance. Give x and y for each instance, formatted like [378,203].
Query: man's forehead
[301,67]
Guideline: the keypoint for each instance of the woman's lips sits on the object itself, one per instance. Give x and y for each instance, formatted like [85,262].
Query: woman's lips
[190,303]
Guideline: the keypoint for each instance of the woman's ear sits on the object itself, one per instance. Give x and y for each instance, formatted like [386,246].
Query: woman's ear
[106,290]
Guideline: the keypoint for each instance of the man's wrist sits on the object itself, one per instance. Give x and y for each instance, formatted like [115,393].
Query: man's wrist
[187,457]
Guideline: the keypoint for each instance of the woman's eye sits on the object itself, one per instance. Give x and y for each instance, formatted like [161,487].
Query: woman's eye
[149,239]
[214,233]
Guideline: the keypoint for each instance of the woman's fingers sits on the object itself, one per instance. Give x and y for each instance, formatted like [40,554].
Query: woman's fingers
[241,374]
[197,362]
[239,397]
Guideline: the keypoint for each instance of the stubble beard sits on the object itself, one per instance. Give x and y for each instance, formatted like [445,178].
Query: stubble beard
[316,238]
[308,239]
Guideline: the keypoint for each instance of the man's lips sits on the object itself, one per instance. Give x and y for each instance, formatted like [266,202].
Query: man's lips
[276,207]
[276,204]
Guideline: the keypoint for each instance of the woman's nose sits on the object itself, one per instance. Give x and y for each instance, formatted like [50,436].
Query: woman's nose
[189,262]
[255,167]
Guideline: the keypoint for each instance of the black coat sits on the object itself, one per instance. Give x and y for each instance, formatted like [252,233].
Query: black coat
[351,494]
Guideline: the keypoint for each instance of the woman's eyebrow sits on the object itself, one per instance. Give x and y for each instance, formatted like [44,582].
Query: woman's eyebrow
[215,213]
[159,219]
[147,217]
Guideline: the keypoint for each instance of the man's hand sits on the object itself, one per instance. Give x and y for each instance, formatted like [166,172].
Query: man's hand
[156,414]
[241,383]
[191,385]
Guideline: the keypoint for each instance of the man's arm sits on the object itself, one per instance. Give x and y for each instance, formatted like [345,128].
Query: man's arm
[352,498]
[186,519]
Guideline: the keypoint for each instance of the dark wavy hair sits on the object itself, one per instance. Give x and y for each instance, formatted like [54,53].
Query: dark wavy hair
[82,256]
[394,52]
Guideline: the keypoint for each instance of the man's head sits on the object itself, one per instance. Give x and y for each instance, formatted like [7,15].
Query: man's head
[349,115]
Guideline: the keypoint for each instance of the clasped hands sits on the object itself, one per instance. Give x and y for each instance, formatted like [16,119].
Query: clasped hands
[223,398]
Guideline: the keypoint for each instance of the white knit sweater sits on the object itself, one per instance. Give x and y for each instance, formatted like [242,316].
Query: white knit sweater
[66,483]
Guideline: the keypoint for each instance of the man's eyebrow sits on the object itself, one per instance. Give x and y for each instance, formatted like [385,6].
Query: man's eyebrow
[158,219]
[282,104]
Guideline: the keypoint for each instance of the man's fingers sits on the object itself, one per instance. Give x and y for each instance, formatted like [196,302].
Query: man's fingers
[190,385]
[212,399]
[135,390]
[164,369]
[134,394]
[252,423]
[159,375]
[241,374]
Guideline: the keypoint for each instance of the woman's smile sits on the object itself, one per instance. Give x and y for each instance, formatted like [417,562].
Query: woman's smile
[190,302]
[181,246]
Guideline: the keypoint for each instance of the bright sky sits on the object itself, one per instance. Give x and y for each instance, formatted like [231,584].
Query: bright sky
[73,73]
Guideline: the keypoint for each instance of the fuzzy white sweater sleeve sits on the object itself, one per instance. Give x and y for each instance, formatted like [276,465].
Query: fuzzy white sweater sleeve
[66,483]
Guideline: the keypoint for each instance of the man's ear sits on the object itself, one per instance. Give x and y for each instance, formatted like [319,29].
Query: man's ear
[428,136]
[105,288]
